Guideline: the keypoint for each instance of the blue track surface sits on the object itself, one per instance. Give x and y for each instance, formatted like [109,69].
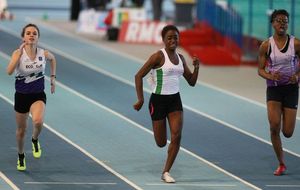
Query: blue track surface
[93,139]
[61,163]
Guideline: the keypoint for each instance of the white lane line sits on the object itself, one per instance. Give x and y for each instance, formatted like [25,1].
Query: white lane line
[96,44]
[134,124]
[81,39]
[8,181]
[149,131]
[238,129]
[284,186]
[106,73]
[192,185]
[80,148]
[65,183]
[4,55]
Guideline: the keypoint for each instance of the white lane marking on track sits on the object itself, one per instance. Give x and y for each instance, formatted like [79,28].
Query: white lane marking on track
[141,127]
[125,55]
[95,68]
[83,40]
[87,41]
[8,181]
[238,129]
[134,124]
[284,186]
[66,183]
[192,185]
[80,148]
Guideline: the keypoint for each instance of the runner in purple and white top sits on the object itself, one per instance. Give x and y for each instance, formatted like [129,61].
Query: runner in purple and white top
[29,62]
[30,73]
[278,63]
[283,61]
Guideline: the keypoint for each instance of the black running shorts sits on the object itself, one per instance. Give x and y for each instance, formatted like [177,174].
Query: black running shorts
[161,105]
[23,102]
[288,95]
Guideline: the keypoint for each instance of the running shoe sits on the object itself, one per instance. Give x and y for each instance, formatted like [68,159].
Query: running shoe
[166,177]
[36,149]
[280,170]
[21,164]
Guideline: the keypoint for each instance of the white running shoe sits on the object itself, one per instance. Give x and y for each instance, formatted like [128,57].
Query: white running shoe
[166,177]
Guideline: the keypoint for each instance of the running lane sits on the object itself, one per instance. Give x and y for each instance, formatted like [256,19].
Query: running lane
[205,137]
[110,138]
[62,166]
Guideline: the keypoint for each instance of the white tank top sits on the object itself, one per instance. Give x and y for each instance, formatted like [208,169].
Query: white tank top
[30,73]
[284,61]
[165,80]
[31,70]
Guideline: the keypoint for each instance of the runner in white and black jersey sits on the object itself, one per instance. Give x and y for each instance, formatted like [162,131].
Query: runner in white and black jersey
[166,67]
[279,65]
[29,62]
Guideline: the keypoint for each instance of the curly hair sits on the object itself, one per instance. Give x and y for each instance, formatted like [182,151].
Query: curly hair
[278,12]
[167,28]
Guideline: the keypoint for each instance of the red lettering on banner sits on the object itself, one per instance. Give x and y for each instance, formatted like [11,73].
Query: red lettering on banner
[131,32]
[141,32]
[146,32]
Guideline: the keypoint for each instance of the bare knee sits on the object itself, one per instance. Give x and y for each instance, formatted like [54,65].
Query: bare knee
[37,122]
[288,130]
[287,134]
[21,131]
[161,143]
[275,131]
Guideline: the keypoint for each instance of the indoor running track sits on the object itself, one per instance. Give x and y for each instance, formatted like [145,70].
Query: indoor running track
[93,139]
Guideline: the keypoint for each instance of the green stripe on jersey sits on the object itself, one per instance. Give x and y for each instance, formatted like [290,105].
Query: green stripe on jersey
[159,75]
